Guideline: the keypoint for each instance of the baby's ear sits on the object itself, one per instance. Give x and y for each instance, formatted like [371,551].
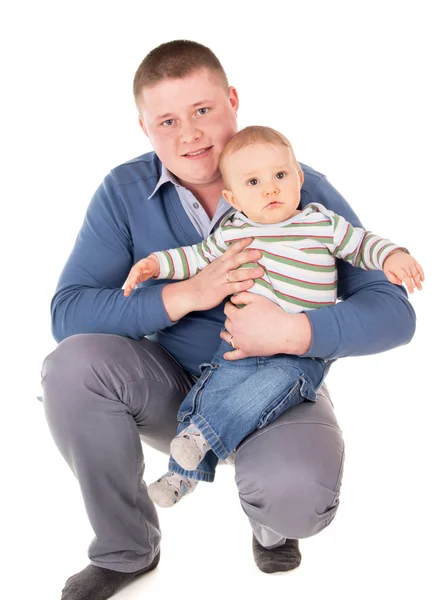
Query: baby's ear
[229,197]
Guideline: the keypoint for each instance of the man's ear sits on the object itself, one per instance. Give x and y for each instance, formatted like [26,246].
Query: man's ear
[301,175]
[142,125]
[233,98]
[229,197]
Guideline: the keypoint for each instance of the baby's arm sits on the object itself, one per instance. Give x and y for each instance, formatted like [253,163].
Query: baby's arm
[178,263]
[369,251]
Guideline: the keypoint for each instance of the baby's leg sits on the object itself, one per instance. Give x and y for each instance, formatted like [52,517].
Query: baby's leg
[189,447]
[170,489]
[178,482]
[246,395]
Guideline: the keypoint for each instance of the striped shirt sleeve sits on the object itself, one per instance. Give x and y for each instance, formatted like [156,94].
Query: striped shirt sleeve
[185,262]
[359,247]
[355,245]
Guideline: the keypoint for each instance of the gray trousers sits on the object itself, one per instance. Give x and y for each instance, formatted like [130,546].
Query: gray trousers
[103,393]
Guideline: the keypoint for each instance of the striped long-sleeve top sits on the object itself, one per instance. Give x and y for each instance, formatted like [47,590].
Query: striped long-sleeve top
[298,255]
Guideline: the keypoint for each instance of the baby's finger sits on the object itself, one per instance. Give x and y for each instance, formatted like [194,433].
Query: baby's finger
[416,278]
[420,270]
[409,283]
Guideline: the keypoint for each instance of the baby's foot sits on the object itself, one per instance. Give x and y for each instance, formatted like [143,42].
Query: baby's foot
[189,448]
[170,488]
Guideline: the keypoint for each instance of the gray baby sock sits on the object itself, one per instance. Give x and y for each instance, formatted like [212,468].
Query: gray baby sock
[189,448]
[170,488]
[282,558]
[96,583]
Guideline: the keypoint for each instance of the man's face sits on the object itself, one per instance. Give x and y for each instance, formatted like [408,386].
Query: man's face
[182,117]
[265,182]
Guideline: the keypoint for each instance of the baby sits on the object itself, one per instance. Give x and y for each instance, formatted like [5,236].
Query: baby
[299,249]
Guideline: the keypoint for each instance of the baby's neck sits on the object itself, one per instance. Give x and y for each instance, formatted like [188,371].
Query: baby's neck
[295,212]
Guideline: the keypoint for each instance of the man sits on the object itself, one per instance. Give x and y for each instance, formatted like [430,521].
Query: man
[106,383]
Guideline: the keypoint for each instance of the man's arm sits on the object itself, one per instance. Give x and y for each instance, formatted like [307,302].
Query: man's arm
[374,316]
[89,298]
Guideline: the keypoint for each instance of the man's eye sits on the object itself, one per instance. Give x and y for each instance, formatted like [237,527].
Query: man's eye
[280,175]
[204,109]
[252,181]
[168,122]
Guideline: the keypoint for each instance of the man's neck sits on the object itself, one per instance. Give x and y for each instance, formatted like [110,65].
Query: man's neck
[208,196]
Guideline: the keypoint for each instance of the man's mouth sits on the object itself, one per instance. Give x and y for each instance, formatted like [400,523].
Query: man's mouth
[197,152]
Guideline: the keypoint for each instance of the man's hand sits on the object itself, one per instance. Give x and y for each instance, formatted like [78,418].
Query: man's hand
[261,328]
[400,267]
[214,283]
[141,271]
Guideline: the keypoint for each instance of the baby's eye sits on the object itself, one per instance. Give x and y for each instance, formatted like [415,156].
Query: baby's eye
[280,175]
[168,122]
[253,181]
[204,109]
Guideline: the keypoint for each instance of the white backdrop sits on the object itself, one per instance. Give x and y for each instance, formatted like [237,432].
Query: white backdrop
[354,86]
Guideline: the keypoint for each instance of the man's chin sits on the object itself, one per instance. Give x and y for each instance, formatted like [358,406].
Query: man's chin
[204,178]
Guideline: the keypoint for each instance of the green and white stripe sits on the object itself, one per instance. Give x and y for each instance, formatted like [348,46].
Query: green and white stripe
[299,255]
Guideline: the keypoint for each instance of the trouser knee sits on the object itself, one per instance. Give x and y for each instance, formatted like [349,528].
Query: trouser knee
[294,493]
[84,362]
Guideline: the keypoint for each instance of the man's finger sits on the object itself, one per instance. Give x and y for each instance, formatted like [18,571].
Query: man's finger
[234,355]
[243,274]
[243,298]
[230,309]
[238,246]
[247,256]
[227,326]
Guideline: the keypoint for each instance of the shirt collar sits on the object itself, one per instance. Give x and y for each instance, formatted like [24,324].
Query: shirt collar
[165,177]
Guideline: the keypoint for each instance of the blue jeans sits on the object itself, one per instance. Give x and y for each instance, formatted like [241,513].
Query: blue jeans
[232,399]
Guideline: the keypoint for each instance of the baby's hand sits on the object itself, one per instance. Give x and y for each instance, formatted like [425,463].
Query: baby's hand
[400,267]
[141,271]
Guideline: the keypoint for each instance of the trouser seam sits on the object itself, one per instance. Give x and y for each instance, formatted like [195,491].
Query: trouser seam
[137,357]
[144,378]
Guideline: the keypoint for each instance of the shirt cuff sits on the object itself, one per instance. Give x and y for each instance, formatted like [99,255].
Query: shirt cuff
[152,313]
[325,334]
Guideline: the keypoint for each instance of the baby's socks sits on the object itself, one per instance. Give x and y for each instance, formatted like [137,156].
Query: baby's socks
[170,488]
[189,448]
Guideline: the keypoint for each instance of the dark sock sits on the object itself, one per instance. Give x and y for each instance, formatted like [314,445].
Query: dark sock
[96,583]
[282,558]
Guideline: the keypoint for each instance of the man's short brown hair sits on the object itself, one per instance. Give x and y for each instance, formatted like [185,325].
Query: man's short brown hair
[254,134]
[175,60]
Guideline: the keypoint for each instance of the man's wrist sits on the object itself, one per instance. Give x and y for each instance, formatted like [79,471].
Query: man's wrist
[298,334]
[178,299]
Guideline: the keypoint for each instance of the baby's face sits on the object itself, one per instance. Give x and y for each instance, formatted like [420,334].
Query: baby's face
[265,182]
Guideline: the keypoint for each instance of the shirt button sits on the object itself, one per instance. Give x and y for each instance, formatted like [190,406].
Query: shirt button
[196,205]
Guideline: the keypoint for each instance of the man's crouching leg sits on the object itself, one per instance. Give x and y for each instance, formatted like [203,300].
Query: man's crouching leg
[101,392]
[289,476]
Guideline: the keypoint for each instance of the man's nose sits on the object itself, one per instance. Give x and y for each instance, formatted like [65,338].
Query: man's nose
[189,133]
